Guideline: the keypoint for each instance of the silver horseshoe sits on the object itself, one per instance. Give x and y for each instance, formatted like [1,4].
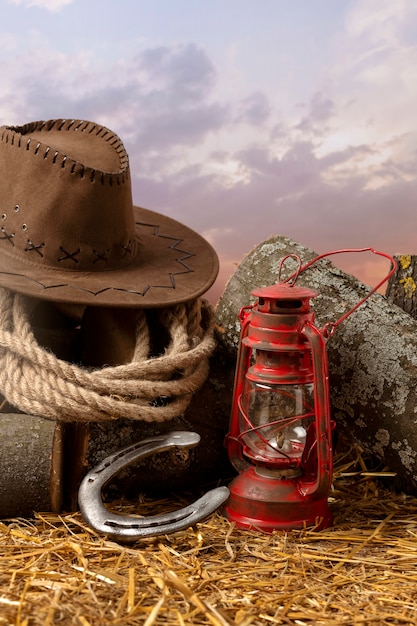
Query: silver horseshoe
[129,528]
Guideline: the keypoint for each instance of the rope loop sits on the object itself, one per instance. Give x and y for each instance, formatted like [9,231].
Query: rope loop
[149,388]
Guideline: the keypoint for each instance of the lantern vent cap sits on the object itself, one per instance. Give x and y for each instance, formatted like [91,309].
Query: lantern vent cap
[284,291]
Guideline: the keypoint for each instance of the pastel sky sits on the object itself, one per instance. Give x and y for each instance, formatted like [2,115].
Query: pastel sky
[242,119]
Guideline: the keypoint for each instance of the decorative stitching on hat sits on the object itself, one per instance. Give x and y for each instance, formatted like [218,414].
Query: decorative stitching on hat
[170,283]
[98,292]
[79,125]
[7,236]
[99,266]
[36,247]
[127,248]
[173,246]
[16,136]
[101,256]
[69,255]
[181,260]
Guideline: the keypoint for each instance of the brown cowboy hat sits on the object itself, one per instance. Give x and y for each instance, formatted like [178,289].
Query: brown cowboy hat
[69,231]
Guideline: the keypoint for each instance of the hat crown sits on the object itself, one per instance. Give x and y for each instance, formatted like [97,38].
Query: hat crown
[65,196]
[69,231]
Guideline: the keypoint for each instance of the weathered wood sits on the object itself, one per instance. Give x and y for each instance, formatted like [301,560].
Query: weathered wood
[109,337]
[372,355]
[27,442]
[208,415]
[25,464]
[373,375]
[401,288]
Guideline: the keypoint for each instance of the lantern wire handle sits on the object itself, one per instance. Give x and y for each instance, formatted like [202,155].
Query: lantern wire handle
[329,328]
[293,278]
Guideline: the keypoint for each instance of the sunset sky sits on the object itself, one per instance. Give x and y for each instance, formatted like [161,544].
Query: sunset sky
[242,119]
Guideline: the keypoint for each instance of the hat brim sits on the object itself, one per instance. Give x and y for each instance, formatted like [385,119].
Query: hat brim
[174,264]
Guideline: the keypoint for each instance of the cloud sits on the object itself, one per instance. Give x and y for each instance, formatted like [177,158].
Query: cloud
[294,195]
[373,79]
[378,23]
[184,70]
[337,168]
[50,5]
[321,109]
[172,87]
[160,99]
[254,109]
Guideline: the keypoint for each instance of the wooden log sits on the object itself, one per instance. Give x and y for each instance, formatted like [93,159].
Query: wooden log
[27,441]
[372,355]
[208,415]
[34,450]
[109,337]
[401,288]
[25,461]
[373,376]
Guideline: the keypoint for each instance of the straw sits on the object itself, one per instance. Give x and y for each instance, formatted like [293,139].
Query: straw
[363,570]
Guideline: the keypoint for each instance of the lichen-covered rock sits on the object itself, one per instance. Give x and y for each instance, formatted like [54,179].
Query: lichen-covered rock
[372,355]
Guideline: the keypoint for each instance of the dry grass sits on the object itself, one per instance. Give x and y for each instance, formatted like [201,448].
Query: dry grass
[363,570]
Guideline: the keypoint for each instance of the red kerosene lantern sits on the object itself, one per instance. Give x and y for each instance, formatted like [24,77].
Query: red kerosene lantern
[280,437]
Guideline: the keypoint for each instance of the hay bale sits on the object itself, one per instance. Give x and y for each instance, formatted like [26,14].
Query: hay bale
[56,570]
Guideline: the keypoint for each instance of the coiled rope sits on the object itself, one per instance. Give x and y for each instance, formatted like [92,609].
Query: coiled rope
[151,389]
